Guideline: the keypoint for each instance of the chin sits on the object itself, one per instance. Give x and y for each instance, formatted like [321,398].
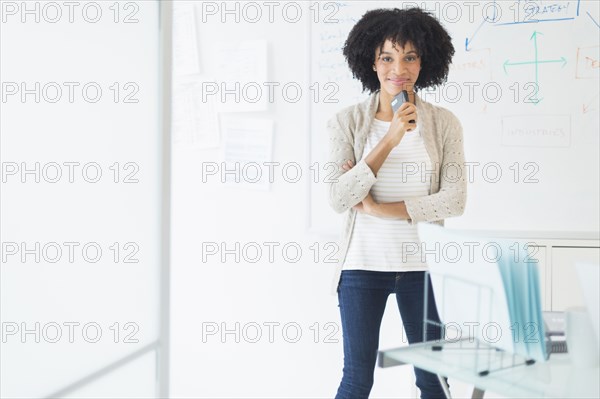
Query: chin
[393,90]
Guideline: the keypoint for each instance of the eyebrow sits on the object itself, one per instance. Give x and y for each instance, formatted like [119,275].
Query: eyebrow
[387,52]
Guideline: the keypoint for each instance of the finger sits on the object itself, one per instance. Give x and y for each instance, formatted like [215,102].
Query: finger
[409,109]
[411,114]
[405,105]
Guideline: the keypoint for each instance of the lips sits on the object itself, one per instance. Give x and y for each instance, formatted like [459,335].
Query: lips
[398,82]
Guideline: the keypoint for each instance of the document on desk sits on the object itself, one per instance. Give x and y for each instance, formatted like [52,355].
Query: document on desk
[485,289]
[521,282]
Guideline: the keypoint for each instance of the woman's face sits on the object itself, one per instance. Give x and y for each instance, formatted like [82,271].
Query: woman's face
[397,68]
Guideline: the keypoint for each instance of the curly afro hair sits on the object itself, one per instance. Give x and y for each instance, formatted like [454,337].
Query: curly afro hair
[431,40]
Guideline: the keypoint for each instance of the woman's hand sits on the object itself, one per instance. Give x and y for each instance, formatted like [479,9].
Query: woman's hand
[404,120]
[368,206]
[347,165]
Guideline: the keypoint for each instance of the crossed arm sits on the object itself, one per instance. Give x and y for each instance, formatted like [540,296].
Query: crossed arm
[353,180]
[395,210]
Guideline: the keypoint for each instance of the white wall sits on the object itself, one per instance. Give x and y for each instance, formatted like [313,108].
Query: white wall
[264,292]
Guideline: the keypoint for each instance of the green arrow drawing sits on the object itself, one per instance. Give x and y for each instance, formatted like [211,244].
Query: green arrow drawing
[508,63]
[534,37]
[536,62]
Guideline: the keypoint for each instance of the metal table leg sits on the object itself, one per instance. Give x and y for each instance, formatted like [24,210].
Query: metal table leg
[477,393]
[444,386]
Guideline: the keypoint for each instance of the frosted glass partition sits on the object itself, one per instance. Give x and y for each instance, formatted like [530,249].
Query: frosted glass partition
[81,151]
[130,381]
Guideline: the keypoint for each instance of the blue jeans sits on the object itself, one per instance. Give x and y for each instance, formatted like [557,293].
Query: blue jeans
[362,296]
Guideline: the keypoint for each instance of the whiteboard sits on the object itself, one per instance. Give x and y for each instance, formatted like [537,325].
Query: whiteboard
[533,154]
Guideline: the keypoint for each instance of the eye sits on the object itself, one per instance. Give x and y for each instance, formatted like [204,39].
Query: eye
[386,59]
[410,58]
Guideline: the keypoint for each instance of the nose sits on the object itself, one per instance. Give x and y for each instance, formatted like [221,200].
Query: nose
[398,67]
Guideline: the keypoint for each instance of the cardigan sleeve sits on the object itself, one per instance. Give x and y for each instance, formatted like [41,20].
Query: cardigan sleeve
[346,188]
[451,198]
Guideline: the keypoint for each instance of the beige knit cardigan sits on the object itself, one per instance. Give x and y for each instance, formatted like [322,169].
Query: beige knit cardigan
[442,135]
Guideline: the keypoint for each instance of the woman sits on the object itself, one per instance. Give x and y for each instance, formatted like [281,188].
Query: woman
[396,169]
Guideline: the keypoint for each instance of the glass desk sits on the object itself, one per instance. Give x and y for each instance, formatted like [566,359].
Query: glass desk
[555,378]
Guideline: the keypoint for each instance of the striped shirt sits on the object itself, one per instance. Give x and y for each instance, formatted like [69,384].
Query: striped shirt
[386,244]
